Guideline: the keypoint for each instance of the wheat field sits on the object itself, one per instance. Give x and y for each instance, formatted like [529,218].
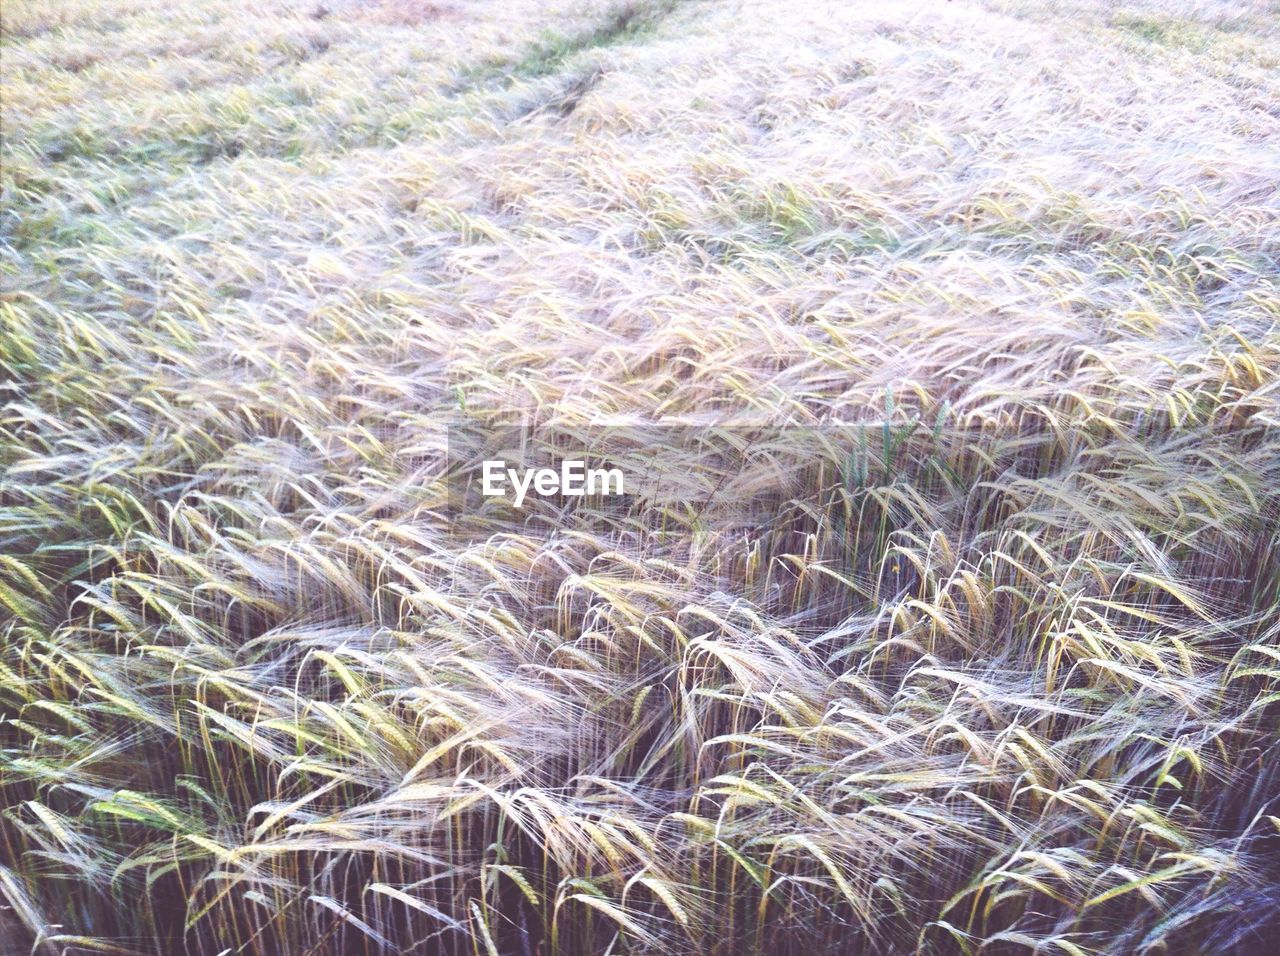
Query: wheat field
[999,674]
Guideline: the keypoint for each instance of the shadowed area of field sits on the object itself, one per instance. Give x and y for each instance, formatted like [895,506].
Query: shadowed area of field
[999,671]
